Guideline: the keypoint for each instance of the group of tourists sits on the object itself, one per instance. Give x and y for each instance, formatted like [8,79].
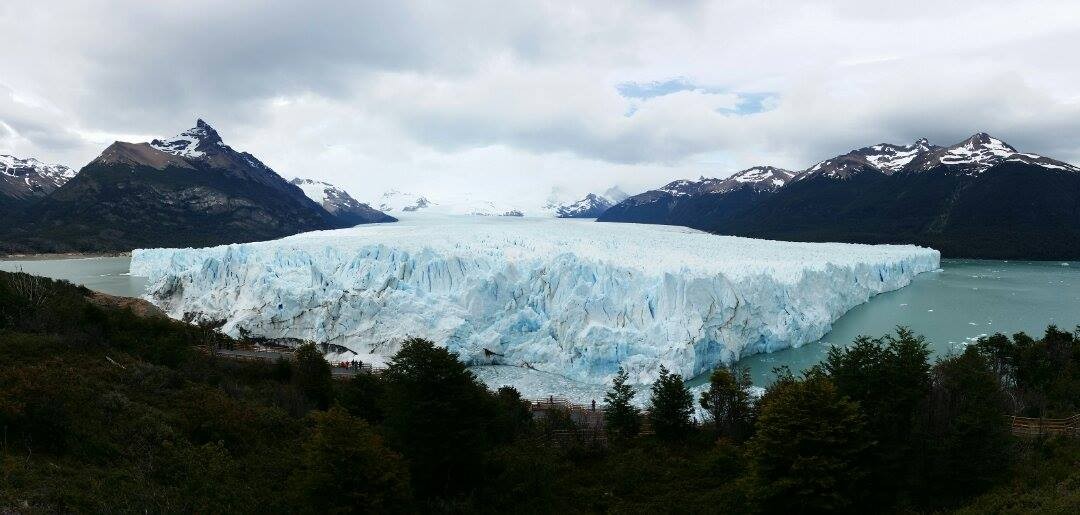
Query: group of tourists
[355,364]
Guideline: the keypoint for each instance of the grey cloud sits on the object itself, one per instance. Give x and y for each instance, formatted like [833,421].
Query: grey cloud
[534,79]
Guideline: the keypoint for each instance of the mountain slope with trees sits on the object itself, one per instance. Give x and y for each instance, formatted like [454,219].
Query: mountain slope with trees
[191,190]
[979,198]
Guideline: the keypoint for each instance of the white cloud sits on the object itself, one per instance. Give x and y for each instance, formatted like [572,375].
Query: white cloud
[512,99]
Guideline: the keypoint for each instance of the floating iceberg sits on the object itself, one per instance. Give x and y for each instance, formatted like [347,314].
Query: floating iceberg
[573,298]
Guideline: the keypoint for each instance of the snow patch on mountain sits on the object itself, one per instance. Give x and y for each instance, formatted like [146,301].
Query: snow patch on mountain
[27,179]
[339,203]
[394,201]
[400,203]
[318,191]
[765,177]
[31,171]
[981,150]
[188,143]
[572,298]
[760,178]
[972,156]
[593,205]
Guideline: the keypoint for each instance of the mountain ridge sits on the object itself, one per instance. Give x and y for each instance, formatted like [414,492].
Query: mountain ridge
[185,191]
[339,203]
[976,198]
[24,181]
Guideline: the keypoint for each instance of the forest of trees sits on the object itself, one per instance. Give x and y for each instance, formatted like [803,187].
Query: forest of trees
[104,411]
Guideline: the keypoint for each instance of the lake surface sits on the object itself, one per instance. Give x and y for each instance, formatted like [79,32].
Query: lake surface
[104,274]
[963,301]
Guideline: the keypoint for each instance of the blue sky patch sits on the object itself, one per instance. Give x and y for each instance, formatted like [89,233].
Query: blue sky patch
[647,90]
[748,103]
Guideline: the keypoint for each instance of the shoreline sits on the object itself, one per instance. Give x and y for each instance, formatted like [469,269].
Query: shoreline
[62,255]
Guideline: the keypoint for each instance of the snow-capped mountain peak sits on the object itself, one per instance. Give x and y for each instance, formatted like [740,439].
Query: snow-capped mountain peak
[28,178]
[891,158]
[982,150]
[979,153]
[972,156]
[399,201]
[56,174]
[767,177]
[887,158]
[194,142]
[682,186]
[338,202]
[759,178]
[591,206]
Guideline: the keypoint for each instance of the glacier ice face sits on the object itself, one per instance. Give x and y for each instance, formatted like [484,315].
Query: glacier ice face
[574,298]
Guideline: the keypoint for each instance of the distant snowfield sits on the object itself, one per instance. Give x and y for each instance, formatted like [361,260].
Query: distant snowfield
[560,298]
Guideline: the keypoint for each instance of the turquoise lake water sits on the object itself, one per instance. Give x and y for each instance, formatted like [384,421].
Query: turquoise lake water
[963,301]
[104,274]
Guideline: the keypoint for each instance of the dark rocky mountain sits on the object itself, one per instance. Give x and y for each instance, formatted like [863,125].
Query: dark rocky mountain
[883,158]
[684,202]
[977,198]
[26,181]
[190,190]
[340,204]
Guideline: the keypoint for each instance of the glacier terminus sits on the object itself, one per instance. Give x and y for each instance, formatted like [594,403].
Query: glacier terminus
[570,297]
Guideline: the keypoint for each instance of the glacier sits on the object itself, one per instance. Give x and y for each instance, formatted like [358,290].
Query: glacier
[573,298]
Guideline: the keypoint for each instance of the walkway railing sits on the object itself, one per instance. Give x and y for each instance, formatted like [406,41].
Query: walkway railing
[1026,426]
[591,416]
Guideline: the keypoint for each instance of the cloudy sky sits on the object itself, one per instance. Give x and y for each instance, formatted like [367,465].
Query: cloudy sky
[508,100]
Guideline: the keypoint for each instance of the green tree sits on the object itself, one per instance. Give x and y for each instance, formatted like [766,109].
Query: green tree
[671,406]
[312,375]
[621,418]
[1041,377]
[347,469]
[807,450]
[968,437]
[889,377]
[362,395]
[728,402]
[512,416]
[438,415]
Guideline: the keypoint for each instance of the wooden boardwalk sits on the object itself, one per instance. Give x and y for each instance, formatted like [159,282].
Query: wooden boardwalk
[591,416]
[338,370]
[1025,426]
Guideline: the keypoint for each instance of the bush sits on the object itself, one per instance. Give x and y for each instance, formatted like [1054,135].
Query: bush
[346,468]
